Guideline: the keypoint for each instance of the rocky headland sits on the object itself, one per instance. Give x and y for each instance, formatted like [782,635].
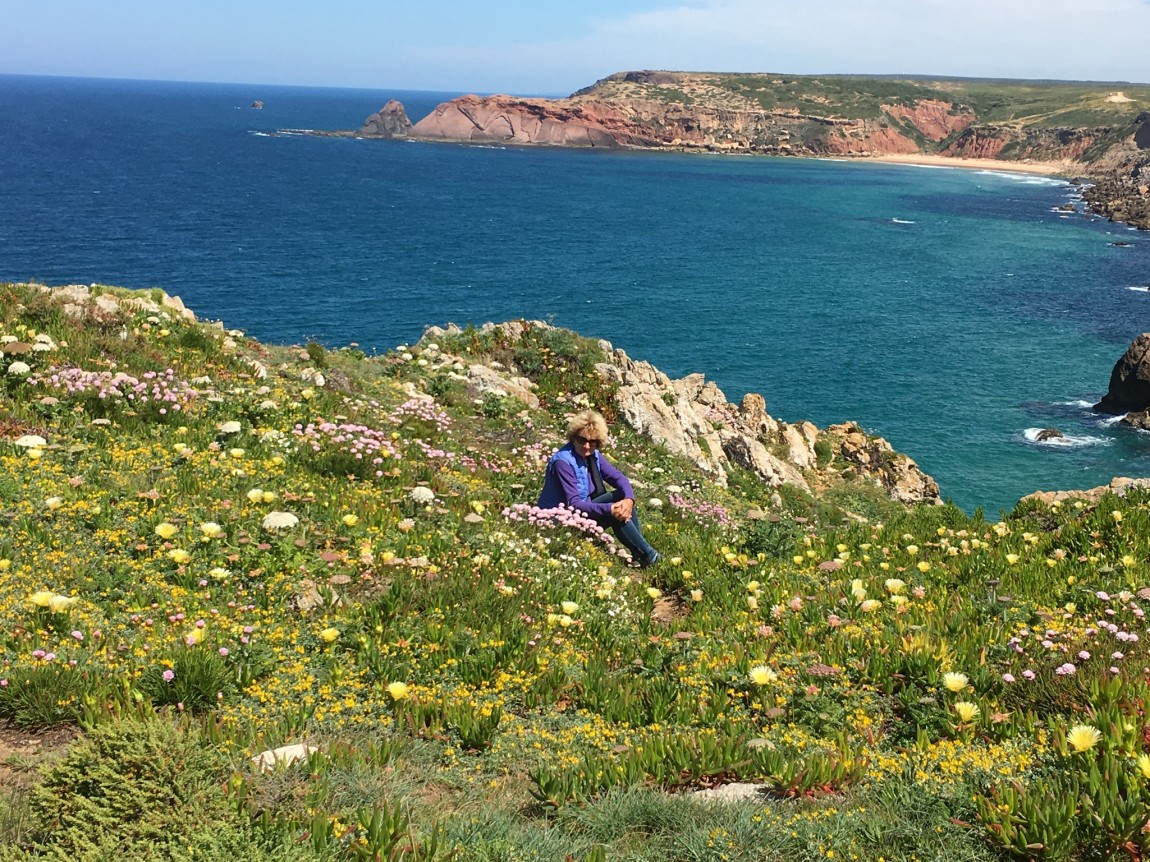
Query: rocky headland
[1093,132]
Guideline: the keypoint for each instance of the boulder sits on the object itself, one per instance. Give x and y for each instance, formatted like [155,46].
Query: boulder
[1129,390]
[752,455]
[482,379]
[1048,434]
[1140,420]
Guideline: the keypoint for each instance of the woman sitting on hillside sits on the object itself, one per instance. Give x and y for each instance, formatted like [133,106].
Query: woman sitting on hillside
[576,475]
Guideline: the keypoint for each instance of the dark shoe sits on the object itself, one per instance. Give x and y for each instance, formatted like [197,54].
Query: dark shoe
[651,560]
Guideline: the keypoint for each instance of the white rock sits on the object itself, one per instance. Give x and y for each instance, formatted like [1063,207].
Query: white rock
[287,755]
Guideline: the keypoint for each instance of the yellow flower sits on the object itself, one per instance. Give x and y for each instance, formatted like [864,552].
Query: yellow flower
[762,675]
[54,503]
[477,507]
[397,690]
[569,607]
[1012,559]
[41,598]
[696,595]
[924,566]
[752,603]
[211,530]
[255,495]
[954,681]
[1128,561]
[58,603]
[798,559]
[1117,516]
[1144,765]
[654,592]
[1083,737]
[166,530]
[329,634]
[350,520]
[894,586]
[5,565]
[870,605]
[966,711]
[912,549]
[194,636]
[179,556]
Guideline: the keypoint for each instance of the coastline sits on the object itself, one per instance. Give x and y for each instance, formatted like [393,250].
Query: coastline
[1054,169]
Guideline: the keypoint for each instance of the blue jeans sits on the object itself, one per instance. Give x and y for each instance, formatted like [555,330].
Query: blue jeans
[628,532]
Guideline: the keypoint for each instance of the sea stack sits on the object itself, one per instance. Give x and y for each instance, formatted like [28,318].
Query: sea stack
[390,121]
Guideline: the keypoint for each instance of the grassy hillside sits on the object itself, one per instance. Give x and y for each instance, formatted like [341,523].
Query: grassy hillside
[1037,104]
[211,547]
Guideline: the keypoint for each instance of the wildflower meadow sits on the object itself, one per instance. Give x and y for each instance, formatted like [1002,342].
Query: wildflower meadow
[213,548]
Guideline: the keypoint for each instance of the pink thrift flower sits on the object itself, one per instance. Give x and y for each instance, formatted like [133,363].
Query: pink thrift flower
[168,675]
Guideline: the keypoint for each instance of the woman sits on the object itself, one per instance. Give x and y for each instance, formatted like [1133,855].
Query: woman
[576,477]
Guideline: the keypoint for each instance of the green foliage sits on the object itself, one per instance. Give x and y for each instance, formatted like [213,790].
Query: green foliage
[317,354]
[45,695]
[200,676]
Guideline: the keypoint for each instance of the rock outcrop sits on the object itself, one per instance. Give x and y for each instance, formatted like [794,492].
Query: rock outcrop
[1129,390]
[390,121]
[691,417]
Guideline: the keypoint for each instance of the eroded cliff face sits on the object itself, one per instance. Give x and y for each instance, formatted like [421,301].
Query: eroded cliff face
[935,118]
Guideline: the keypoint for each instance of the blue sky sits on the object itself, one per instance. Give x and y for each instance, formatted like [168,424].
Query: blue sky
[519,47]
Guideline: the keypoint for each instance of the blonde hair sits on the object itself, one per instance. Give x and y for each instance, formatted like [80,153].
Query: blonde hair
[588,420]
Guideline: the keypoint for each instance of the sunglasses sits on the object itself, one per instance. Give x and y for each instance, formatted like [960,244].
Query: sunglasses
[580,440]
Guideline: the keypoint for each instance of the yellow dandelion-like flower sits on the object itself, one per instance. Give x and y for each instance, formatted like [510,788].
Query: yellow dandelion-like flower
[179,556]
[966,711]
[1083,737]
[924,566]
[41,598]
[763,675]
[955,681]
[398,690]
[569,607]
[166,530]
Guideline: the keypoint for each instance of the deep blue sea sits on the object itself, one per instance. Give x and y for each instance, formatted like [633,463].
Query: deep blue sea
[952,311]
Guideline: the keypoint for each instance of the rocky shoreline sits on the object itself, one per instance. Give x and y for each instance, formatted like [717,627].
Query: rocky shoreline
[690,112]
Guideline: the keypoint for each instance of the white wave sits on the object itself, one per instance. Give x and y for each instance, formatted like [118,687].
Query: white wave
[1076,402]
[1067,441]
[1141,288]
[1107,421]
[1025,179]
[902,221]
[262,134]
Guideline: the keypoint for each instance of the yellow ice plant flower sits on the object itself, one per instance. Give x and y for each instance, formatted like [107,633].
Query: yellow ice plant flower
[211,530]
[398,690]
[5,565]
[955,681]
[696,595]
[912,549]
[894,586]
[255,495]
[350,520]
[179,556]
[1012,559]
[58,603]
[1083,737]
[654,592]
[923,566]
[41,598]
[870,605]
[752,603]
[1144,765]
[569,607]
[329,634]
[477,507]
[797,559]
[166,530]
[1128,561]
[194,636]
[762,675]
[1116,515]
[966,711]
[53,503]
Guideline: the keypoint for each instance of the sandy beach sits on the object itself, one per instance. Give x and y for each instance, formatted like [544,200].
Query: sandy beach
[1059,169]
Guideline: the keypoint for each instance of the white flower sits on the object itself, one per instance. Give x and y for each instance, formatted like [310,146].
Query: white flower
[279,521]
[655,503]
[422,495]
[31,441]
[268,405]
[19,369]
[674,489]
[232,427]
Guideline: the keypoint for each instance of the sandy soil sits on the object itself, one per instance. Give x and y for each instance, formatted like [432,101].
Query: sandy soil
[1059,169]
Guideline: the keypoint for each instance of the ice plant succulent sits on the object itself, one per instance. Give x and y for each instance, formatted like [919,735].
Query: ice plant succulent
[1083,737]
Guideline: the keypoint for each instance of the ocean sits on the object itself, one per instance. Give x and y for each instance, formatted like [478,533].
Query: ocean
[954,312]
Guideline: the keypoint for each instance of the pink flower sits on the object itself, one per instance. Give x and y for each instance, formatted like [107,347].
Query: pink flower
[1008,677]
[168,675]
[224,651]
[78,635]
[1084,655]
[1028,675]
[1066,669]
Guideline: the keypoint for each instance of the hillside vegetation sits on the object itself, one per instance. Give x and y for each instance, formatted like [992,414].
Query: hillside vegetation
[1039,104]
[212,547]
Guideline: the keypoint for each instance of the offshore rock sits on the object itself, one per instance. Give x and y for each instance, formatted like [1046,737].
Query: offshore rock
[1129,390]
[390,121]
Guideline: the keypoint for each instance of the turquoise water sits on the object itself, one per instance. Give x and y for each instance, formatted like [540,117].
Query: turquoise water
[949,310]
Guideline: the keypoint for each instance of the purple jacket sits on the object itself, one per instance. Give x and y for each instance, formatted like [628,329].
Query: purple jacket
[568,482]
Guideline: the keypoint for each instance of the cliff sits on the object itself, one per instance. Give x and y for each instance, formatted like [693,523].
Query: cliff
[1092,130]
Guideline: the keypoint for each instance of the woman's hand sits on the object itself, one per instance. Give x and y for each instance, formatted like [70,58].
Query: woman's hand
[623,509]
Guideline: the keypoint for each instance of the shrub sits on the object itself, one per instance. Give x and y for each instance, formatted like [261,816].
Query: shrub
[198,675]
